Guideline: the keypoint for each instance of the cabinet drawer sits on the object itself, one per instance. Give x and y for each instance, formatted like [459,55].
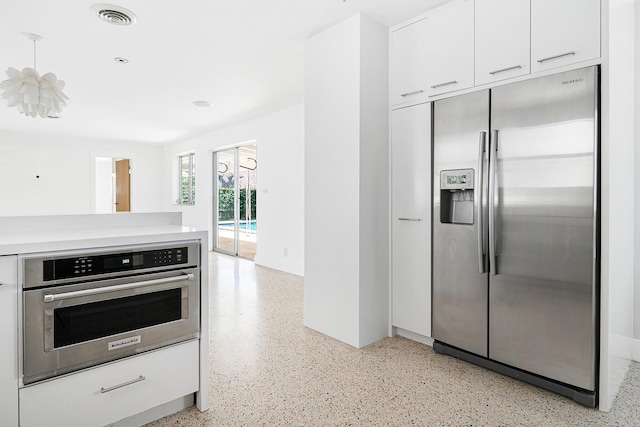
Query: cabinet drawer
[109,393]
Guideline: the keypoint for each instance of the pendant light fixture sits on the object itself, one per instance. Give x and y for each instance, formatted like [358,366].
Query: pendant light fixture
[34,95]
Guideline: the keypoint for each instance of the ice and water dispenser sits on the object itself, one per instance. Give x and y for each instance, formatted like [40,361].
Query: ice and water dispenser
[456,196]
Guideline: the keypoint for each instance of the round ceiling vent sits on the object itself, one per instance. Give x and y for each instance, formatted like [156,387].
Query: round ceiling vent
[114,14]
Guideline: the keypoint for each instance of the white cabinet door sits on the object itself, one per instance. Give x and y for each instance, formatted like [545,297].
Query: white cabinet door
[411,218]
[408,63]
[112,392]
[502,39]
[9,353]
[449,47]
[564,32]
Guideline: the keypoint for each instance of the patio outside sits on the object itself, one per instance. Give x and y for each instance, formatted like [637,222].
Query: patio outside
[246,186]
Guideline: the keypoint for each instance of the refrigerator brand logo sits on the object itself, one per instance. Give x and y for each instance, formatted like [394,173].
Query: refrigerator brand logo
[568,82]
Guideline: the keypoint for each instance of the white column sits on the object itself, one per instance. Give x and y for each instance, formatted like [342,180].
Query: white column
[346,182]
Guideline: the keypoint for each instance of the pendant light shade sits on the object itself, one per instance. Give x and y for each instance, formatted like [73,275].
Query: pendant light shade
[34,95]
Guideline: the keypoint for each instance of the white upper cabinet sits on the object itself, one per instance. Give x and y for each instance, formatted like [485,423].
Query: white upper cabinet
[564,32]
[409,63]
[449,47]
[502,39]
[476,42]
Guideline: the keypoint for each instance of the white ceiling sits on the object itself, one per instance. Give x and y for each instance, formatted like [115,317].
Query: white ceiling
[245,56]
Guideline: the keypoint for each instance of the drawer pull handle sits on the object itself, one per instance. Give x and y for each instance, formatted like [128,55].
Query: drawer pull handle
[115,387]
[411,93]
[505,69]
[452,82]
[409,219]
[556,57]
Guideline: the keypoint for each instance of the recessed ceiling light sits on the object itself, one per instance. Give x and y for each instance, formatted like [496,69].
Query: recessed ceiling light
[114,14]
[202,103]
[121,60]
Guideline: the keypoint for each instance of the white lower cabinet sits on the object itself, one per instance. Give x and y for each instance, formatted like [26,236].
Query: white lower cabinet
[112,392]
[411,218]
[9,352]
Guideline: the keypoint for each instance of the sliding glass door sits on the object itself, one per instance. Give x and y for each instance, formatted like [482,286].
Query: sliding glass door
[225,201]
[235,208]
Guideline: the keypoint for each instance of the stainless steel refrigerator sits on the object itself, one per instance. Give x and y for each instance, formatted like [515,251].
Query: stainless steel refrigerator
[516,230]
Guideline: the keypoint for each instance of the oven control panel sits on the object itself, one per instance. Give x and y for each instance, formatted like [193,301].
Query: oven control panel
[81,266]
[169,256]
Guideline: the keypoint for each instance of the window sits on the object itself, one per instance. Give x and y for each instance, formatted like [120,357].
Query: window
[187,177]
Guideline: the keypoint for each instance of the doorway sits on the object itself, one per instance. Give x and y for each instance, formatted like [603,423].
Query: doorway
[123,185]
[112,185]
[235,221]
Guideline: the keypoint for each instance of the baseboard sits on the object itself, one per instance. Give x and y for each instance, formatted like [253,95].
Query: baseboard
[635,352]
[621,346]
[156,413]
[279,264]
[414,336]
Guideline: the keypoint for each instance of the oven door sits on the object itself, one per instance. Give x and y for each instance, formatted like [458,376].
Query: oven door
[76,326]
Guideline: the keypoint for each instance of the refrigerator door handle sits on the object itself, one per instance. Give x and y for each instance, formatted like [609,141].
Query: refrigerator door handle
[479,184]
[493,158]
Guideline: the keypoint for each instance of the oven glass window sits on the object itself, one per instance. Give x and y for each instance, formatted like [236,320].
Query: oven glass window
[100,319]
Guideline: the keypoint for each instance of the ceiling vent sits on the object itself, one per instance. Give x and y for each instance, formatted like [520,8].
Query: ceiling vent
[114,14]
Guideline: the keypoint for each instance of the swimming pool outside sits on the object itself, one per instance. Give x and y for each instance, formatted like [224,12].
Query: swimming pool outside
[242,224]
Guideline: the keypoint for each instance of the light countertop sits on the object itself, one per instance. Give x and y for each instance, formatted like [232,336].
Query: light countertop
[45,241]
[24,240]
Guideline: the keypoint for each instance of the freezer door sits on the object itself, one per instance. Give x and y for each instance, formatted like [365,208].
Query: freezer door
[543,295]
[460,294]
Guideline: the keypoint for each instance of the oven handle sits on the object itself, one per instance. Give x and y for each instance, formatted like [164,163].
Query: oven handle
[96,291]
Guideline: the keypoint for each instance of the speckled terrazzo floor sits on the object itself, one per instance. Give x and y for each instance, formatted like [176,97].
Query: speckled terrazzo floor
[266,369]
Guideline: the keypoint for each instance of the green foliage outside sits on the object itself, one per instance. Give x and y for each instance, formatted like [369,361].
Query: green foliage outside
[187,165]
[225,203]
[185,190]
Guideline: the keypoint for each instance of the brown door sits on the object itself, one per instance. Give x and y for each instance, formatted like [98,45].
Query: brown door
[123,186]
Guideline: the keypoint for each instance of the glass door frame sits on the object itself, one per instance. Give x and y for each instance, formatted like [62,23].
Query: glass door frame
[236,198]
[216,204]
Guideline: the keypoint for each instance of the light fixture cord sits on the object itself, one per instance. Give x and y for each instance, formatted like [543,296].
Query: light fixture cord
[34,54]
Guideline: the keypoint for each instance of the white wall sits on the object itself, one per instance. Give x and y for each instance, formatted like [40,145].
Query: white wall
[104,200]
[279,138]
[617,278]
[636,310]
[374,181]
[66,167]
[346,182]
[621,132]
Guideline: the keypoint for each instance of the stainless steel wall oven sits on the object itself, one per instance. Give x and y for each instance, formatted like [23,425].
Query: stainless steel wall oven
[84,308]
